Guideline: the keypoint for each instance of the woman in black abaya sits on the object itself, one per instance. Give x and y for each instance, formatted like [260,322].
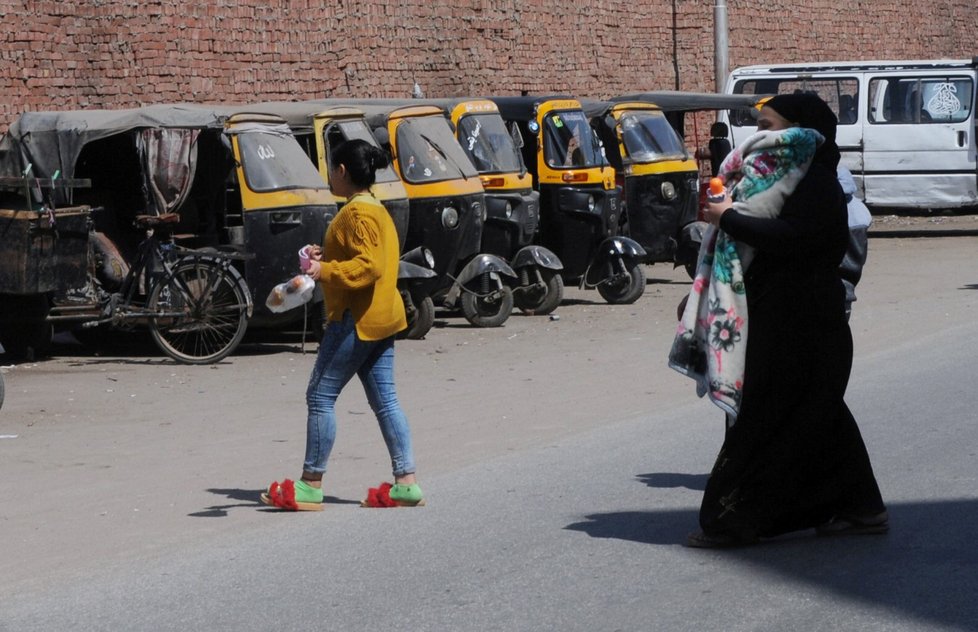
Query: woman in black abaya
[793,458]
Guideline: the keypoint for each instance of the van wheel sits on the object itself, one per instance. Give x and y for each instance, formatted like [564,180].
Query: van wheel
[491,310]
[538,303]
[625,291]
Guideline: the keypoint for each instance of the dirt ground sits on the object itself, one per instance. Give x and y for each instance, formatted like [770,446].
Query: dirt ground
[117,457]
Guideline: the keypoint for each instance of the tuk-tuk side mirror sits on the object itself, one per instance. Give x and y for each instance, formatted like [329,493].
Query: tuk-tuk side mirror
[382,136]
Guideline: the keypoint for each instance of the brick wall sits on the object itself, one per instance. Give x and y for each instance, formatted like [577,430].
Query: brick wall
[124,53]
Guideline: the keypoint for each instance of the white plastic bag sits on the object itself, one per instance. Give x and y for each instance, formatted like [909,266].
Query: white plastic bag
[291,294]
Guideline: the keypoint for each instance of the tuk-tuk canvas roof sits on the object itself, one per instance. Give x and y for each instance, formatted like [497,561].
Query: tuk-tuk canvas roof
[52,141]
[676,101]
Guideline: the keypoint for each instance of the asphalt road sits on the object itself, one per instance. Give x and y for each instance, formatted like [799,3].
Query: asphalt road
[562,461]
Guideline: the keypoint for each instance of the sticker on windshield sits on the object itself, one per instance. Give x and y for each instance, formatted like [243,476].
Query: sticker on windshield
[558,123]
[265,152]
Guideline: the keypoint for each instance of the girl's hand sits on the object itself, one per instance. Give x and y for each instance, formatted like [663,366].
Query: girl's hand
[315,252]
[315,268]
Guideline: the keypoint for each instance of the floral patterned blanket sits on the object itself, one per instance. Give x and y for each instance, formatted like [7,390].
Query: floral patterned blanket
[711,340]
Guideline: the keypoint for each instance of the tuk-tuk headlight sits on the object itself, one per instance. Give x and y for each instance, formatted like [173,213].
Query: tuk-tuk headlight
[429,258]
[590,204]
[449,217]
[509,210]
[668,191]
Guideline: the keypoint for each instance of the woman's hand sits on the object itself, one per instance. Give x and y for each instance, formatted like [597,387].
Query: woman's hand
[715,210]
[315,252]
[315,268]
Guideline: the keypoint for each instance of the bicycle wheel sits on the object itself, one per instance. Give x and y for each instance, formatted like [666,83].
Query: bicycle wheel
[201,311]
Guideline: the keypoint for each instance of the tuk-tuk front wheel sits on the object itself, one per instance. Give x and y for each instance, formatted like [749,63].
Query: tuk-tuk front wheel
[488,310]
[537,302]
[420,317]
[691,269]
[624,290]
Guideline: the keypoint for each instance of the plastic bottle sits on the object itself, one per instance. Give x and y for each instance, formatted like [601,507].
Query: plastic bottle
[716,191]
[290,294]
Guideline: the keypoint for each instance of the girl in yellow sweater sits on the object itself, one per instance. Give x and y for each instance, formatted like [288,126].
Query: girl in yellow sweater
[357,271]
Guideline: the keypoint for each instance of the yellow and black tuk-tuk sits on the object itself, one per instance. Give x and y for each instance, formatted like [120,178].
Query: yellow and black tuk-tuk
[512,204]
[318,128]
[579,200]
[227,181]
[448,210]
[675,105]
[658,176]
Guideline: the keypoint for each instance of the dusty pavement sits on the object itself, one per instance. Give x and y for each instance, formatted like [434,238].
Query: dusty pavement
[118,459]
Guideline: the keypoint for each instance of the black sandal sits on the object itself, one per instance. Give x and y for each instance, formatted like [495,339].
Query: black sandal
[855,525]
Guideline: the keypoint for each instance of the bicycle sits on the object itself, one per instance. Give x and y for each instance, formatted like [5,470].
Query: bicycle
[195,302]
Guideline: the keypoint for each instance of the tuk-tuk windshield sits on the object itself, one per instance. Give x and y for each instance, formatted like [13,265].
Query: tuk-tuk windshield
[570,142]
[274,161]
[648,137]
[488,144]
[428,152]
[358,130]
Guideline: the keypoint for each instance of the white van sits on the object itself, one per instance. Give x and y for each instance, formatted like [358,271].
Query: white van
[906,128]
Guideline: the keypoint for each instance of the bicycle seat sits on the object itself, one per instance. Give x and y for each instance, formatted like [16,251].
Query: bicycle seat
[153,221]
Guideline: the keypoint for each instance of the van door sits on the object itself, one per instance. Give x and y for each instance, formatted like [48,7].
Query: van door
[919,140]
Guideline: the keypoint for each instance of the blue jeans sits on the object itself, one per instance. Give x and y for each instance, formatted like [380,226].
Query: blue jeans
[341,355]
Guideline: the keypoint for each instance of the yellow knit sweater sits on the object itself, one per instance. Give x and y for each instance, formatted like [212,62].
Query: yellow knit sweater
[359,269]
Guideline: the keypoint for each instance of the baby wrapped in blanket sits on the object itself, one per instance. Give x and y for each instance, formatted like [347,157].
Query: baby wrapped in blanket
[711,340]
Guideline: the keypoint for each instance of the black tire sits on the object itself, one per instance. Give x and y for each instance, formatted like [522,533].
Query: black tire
[546,303]
[691,269]
[1,390]
[212,304]
[488,312]
[625,292]
[421,321]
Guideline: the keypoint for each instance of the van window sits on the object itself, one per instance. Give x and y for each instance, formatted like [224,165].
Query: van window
[922,100]
[841,93]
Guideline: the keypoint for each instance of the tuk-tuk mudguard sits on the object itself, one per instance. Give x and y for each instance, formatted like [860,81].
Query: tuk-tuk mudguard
[614,247]
[536,256]
[654,221]
[689,242]
[480,264]
[407,270]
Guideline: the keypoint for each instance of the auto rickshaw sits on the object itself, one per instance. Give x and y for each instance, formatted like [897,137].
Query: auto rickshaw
[512,205]
[317,128]
[675,105]
[236,182]
[659,179]
[448,210]
[579,201]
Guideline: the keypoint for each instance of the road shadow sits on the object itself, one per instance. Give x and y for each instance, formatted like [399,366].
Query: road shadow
[674,479]
[925,566]
[250,498]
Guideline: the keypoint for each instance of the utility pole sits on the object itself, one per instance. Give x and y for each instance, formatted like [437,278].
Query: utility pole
[721,65]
